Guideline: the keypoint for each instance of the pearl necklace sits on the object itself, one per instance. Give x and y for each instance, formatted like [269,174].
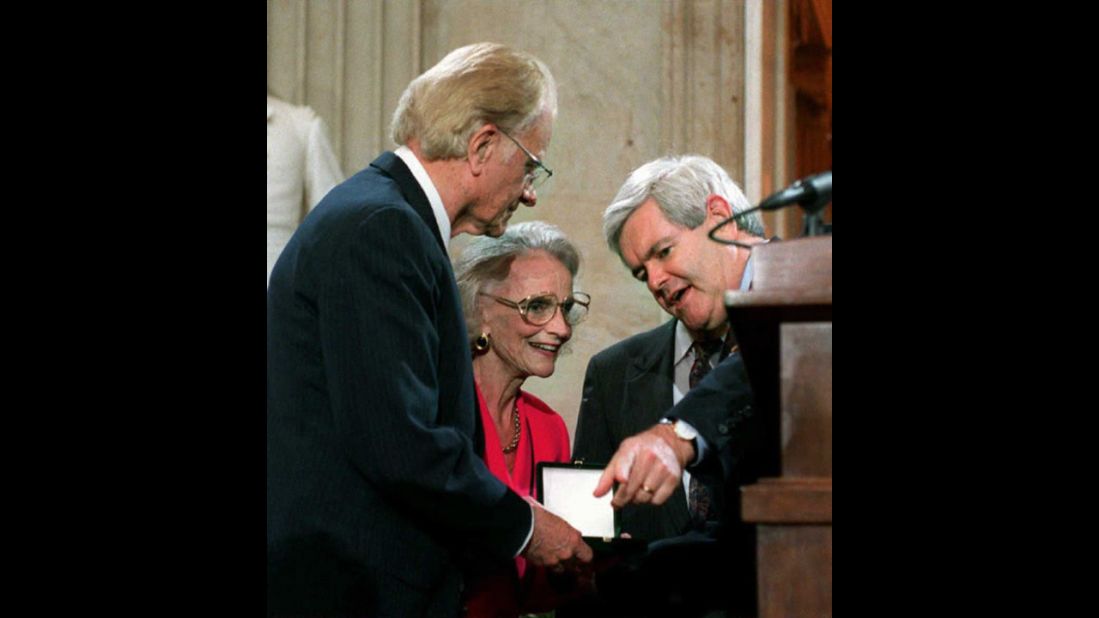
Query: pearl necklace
[518,428]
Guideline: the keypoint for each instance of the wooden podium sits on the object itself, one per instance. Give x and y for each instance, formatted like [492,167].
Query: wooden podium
[784,329]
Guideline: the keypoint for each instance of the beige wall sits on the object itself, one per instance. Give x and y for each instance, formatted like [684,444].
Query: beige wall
[637,79]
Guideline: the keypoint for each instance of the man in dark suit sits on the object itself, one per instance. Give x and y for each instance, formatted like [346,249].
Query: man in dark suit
[658,225]
[375,492]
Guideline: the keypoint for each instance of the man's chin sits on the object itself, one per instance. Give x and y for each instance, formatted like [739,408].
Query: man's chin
[693,325]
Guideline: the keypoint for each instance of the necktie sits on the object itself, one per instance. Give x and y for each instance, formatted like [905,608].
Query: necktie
[702,351]
[699,496]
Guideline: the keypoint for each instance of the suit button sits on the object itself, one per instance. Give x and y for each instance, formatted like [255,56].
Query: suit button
[723,428]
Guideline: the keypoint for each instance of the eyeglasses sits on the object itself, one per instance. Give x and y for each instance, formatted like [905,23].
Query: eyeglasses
[537,176]
[539,309]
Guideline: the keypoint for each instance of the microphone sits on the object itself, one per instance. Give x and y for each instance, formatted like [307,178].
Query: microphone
[812,192]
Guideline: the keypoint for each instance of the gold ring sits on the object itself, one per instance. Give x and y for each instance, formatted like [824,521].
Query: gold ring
[646,488]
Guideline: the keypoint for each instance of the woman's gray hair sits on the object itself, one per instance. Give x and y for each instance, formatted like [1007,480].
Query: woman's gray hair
[680,185]
[486,259]
[473,85]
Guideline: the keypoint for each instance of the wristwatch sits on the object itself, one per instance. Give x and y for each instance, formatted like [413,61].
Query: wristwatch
[682,430]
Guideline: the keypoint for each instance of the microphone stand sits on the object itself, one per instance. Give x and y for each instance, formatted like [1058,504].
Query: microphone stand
[814,216]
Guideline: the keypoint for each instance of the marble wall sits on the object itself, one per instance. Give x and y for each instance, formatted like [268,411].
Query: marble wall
[637,79]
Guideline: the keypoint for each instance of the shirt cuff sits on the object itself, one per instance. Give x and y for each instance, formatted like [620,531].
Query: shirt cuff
[700,446]
[530,533]
[700,443]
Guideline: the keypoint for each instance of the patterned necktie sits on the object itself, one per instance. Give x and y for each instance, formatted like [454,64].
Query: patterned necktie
[699,496]
[702,351]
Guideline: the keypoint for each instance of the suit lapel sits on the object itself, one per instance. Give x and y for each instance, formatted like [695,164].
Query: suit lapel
[648,397]
[395,168]
[650,382]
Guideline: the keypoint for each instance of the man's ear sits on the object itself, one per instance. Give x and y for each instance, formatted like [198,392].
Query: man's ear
[718,208]
[717,212]
[480,146]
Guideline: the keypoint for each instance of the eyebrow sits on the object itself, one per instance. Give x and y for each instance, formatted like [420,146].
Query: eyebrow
[649,254]
[653,248]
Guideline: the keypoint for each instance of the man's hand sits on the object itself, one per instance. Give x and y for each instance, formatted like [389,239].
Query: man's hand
[648,467]
[554,544]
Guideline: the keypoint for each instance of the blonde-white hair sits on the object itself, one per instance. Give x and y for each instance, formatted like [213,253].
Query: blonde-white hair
[473,85]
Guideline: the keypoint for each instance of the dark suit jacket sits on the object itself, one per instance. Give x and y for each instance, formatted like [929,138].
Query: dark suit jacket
[627,389]
[720,408]
[373,485]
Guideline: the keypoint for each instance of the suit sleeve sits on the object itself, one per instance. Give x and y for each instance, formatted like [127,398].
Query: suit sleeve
[593,441]
[720,408]
[379,322]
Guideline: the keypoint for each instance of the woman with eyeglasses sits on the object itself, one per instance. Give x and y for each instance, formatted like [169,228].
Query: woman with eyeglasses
[520,308]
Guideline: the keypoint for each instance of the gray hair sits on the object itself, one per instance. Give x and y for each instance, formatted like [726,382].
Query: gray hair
[486,259]
[473,85]
[680,186]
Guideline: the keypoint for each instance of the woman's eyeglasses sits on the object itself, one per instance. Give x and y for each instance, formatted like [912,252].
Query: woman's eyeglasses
[539,309]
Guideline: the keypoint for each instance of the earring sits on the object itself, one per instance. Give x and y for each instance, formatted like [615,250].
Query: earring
[481,343]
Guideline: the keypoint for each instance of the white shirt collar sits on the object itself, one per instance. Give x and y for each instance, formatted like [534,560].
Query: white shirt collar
[746,278]
[683,343]
[749,271]
[418,171]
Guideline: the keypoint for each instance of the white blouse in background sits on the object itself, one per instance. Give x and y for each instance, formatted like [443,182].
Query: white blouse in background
[301,169]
